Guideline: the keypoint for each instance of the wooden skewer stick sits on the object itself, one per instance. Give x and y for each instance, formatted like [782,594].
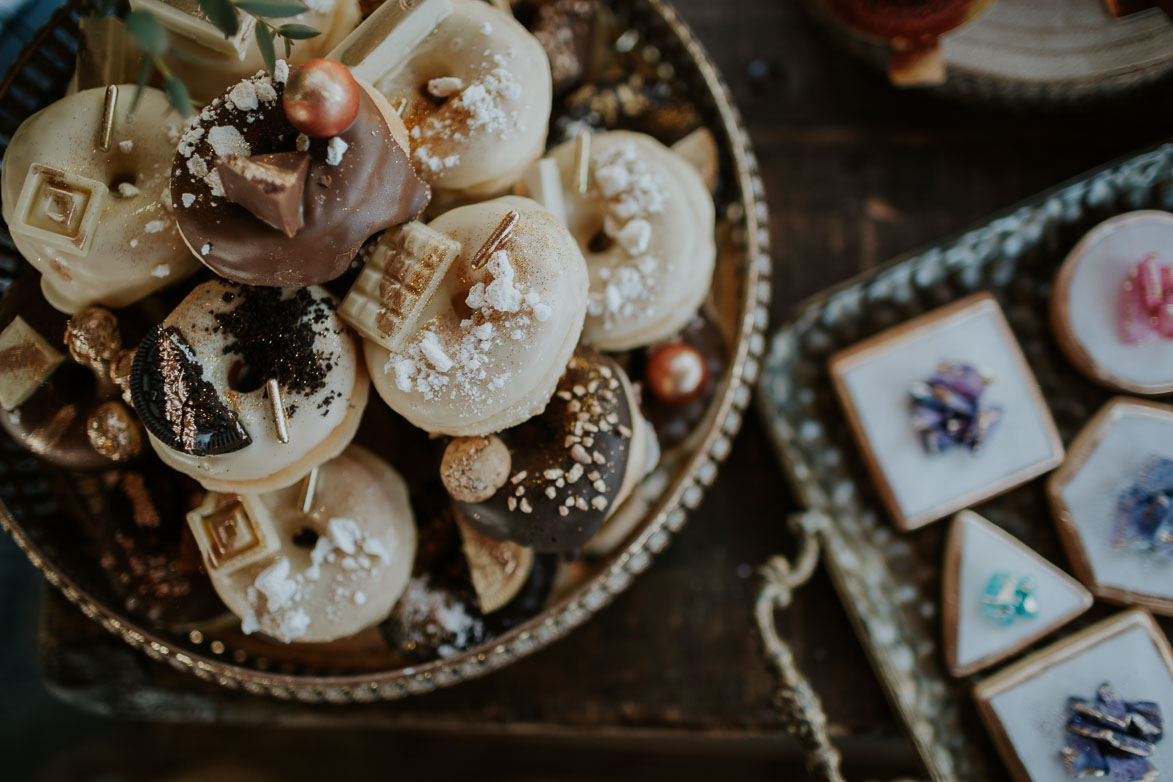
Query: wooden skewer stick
[309,487]
[500,234]
[278,410]
[503,5]
[582,162]
[106,131]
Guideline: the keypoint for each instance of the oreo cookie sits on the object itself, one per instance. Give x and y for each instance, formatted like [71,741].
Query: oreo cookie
[176,404]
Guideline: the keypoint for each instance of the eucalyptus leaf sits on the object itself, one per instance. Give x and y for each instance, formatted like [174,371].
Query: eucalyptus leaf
[272,9]
[264,34]
[298,31]
[144,73]
[177,93]
[189,57]
[147,32]
[222,14]
[288,46]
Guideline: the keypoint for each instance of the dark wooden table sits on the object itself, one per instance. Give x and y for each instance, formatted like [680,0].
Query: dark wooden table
[669,680]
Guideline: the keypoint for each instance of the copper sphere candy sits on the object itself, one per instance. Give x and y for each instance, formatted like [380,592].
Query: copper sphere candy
[676,373]
[321,98]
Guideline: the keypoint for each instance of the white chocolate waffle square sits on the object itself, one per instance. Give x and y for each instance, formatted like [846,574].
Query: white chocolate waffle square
[26,362]
[59,208]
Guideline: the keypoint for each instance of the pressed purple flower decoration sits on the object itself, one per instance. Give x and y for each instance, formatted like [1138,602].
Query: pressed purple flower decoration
[1144,512]
[1108,736]
[947,410]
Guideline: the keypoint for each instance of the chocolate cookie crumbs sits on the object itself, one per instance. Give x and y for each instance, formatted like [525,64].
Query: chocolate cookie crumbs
[274,335]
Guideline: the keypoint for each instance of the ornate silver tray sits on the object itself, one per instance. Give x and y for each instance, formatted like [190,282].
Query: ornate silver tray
[43,507]
[888,581]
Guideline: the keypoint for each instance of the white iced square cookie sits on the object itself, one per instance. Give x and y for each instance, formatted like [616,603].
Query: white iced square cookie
[873,379]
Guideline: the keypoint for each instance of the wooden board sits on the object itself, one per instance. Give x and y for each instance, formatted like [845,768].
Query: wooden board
[1044,50]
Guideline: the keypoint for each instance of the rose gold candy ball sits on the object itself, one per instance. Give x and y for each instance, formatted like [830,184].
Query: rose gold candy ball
[676,373]
[321,98]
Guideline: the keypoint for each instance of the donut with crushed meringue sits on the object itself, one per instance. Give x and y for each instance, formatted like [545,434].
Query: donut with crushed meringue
[483,348]
[645,225]
[474,86]
[318,573]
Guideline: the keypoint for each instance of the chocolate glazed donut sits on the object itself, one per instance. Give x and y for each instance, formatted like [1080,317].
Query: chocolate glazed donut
[371,187]
[569,464]
[51,420]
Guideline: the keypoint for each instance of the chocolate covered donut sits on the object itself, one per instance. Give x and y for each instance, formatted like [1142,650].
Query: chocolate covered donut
[47,399]
[355,184]
[569,465]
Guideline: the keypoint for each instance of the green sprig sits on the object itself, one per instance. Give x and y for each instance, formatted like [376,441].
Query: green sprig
[222,13]
[152,37]
[150,34]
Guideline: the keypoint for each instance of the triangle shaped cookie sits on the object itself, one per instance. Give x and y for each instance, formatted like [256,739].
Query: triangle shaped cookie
[975,637]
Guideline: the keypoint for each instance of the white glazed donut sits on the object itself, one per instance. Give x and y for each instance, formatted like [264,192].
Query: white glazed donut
[474,85]
[222,62]
[200,385]
[95,223]
[265,563]
[487,350]
[646,228]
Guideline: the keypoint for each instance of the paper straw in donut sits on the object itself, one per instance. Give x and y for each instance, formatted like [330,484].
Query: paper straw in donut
[473,84]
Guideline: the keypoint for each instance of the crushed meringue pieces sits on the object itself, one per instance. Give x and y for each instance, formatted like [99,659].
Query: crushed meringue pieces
[461,366]
[277,595]
[633,194]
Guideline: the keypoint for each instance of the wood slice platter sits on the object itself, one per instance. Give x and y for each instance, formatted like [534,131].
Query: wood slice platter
[1040,51]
